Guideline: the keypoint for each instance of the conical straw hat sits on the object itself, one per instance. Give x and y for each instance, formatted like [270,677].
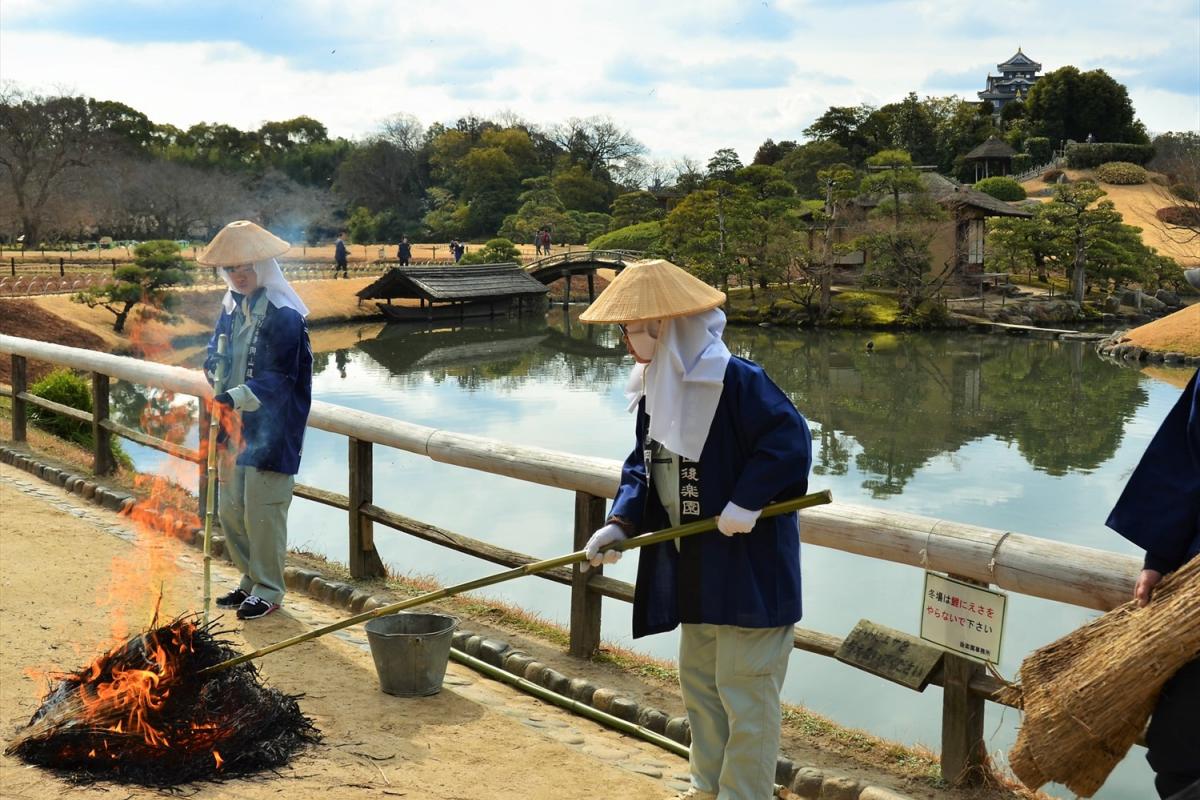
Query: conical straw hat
[652,290]
[242,242]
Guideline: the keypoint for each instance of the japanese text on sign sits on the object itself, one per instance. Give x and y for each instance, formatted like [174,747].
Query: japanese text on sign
[965,619]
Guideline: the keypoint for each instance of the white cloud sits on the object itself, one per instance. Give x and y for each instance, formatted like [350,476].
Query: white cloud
[651,67]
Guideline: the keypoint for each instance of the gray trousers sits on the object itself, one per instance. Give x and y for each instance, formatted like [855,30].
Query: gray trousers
[253,508]
[730,678]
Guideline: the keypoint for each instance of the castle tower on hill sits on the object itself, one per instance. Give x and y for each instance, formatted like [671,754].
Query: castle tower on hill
[1017,76]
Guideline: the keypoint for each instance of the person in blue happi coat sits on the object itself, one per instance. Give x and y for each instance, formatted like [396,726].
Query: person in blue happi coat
[1159,511]
[269,374]
[714,438]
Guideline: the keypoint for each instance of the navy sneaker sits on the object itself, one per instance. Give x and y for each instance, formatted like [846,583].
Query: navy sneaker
[232,600]
[254,607]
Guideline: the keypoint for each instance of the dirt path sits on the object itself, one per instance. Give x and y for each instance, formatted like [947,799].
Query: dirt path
[476,739]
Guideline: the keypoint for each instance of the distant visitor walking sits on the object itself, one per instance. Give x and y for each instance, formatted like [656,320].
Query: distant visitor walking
[404,251]
[339,257]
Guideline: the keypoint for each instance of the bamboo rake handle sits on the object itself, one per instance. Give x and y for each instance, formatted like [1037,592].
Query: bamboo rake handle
[214,427]
[665,535]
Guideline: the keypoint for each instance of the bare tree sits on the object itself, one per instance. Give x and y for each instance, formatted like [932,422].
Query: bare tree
[1177,211]
[42,140]
[596,142]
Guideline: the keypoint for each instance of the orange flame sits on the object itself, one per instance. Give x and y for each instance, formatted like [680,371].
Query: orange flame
[218,759]
[124,702]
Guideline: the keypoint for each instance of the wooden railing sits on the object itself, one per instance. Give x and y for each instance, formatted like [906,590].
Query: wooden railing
[1016,562]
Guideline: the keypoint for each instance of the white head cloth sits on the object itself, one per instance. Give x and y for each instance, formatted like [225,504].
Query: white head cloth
[683,382]
[270,277]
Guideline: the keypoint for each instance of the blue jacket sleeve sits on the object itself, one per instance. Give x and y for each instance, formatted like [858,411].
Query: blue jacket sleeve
[779,442]
[1159,509]
[276,374]
[630,502]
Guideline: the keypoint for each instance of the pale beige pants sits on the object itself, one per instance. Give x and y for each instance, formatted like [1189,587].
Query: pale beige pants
[253,508]
[730,679]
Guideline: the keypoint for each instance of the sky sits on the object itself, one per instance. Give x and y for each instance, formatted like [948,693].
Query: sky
[686,78]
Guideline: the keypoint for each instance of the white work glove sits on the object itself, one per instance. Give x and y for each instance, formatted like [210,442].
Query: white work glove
[607,535]
[735,519]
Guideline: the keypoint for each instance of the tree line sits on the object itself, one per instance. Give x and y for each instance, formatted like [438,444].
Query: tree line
[79,168]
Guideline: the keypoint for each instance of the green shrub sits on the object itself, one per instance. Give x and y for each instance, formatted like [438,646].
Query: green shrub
[1185,192]
[1121,173]
[1039,149]
[1052,175]
[66,388]
[1081,155]
[1001,188]
[496,251]
[1022,162]
[643,236]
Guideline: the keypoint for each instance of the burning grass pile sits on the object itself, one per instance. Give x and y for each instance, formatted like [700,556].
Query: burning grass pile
[143,713]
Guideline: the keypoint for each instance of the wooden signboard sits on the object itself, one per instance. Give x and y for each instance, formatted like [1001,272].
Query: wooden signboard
[890,654]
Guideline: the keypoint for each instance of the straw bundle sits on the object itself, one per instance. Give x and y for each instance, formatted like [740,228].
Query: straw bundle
[1087,696]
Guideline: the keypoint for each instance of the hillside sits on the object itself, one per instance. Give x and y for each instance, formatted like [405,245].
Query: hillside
[1137,205]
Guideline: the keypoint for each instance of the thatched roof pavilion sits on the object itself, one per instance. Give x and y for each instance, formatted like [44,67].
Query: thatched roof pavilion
[473,290]
[993,157]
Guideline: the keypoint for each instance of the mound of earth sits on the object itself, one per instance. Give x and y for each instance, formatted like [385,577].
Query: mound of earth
[28,320]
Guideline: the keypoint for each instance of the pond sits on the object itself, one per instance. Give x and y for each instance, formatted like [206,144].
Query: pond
[1023,435]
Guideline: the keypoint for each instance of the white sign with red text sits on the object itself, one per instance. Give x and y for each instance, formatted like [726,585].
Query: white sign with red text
[964,619]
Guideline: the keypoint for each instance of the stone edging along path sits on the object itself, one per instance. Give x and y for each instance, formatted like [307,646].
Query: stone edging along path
[806,782]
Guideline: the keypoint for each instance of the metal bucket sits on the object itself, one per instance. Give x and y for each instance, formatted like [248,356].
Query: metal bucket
[411,651]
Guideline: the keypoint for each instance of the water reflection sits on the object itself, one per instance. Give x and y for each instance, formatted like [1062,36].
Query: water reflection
[912,398]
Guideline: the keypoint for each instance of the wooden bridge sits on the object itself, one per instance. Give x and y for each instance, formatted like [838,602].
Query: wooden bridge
[580,262]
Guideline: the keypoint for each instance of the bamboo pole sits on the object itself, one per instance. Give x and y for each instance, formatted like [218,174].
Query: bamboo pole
[665,535]
[214,427]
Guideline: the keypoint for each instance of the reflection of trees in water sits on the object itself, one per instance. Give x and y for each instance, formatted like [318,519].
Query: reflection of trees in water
[500,356]
[1065,408]
[157,412]
[916,397]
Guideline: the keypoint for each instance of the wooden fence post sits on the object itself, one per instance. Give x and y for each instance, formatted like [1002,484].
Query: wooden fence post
[585,603]
[18,405]
[103,463]
[591,276]
[964,754]
[364,559]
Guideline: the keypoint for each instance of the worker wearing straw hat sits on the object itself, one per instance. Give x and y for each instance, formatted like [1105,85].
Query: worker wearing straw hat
[1159,511]
[714,437]
[270,375]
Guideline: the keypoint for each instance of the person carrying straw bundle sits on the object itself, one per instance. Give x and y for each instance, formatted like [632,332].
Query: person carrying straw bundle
[1087,696]
[714,437]
[269,372]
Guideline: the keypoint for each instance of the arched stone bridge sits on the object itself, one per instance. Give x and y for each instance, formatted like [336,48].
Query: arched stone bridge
[580,262]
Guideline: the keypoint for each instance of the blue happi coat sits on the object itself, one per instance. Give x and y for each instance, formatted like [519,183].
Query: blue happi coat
[1160,508]
[758,451]
[280,375]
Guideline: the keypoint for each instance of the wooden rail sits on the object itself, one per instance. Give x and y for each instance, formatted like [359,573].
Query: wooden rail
[1017,562]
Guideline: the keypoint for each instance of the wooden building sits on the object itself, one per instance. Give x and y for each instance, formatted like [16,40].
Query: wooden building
[959,241]
[455,292]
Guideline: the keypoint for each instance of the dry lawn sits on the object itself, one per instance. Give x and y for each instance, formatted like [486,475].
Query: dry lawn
[329,301]
[1174,333]
[1137,205]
